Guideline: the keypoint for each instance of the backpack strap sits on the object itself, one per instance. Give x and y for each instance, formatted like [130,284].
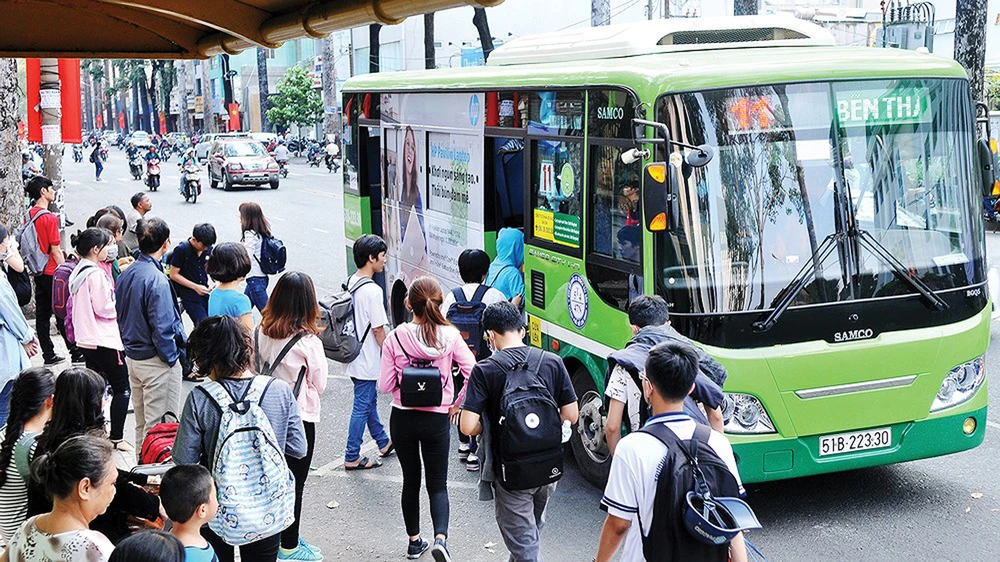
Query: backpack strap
[38,214]
[497,276]
[364,281]
[255,384]
[701,435]
[459,294]
[22,454]
[480,293]
[268,368]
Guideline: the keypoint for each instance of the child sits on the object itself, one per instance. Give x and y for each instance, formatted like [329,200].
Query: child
[229,265]
[188,495]
[187,271]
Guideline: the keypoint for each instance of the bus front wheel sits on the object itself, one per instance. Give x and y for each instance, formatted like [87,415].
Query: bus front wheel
[590,448]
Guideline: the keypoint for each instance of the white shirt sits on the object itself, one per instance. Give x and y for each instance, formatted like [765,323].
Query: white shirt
[489,297]
[622,388]
[252,241]
[634,469]
[281,153]
[332,149]
[74,546]
[369,310]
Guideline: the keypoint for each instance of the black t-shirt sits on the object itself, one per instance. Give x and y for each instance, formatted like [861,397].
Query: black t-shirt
[192,267]
[486,383]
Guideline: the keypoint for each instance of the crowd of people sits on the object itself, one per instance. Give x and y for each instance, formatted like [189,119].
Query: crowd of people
[246,433]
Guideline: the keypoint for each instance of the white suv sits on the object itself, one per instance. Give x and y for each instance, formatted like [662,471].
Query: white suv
[205,143]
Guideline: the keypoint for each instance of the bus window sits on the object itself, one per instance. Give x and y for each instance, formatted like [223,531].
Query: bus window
[508,181]
[556,168]
[615,251]
[556,113]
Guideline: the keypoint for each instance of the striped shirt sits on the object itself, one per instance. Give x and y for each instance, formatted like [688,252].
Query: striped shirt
[14,493]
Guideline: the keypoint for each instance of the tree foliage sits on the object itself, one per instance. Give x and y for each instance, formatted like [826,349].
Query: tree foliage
[993,90]
[296,101]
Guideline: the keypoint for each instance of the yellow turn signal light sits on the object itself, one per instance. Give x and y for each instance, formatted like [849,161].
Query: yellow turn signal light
[993,145]
[658,172]
[969,426]
[659,223]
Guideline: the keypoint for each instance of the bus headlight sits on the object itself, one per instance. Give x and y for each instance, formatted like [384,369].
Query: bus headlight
[960,384]
[743,413]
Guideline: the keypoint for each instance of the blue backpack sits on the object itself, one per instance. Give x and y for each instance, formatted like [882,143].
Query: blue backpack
[255,487]
[272,255]
[467,316]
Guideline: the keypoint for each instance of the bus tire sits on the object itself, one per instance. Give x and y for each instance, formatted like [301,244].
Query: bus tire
[588,433]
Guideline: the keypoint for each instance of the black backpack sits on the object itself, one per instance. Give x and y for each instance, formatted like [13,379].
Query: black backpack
[665,538]
[529,431]
[467,316]
[273,255]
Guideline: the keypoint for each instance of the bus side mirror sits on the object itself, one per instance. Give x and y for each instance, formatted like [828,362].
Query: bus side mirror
[657,194]
[987,168]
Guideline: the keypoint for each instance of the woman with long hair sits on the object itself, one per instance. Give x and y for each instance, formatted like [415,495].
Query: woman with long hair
[220,347]
[423,431]
[255,229]
[30,409]
[95,322]
[286,341]
[78,408]
[17,339]
[79,475]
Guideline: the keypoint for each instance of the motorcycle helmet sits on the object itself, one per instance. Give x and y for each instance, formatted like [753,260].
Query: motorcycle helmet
[26,155]
[715,521]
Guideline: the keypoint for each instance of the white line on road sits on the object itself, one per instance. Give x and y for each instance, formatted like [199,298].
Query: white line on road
[993,424]
[321,230]
[279,219]
[336,468]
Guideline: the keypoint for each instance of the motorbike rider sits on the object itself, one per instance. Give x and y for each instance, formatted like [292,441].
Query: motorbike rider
[188,161]
[281,153]
[152,154]
[332,152]
[131,151]
[28,167]
[313,151]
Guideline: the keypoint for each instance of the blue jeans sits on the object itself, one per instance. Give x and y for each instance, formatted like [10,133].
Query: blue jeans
[5,401]
[99,167]
[365,412]
[196,308]
[257,291]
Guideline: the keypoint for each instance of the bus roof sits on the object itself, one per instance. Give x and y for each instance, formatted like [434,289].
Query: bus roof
[652,74]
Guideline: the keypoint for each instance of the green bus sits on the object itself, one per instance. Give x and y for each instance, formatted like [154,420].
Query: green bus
[809,212]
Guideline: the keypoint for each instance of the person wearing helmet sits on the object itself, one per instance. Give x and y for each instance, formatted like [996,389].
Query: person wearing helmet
[645,472]
[152,153]
[187,161]
[281,152]
[28,167]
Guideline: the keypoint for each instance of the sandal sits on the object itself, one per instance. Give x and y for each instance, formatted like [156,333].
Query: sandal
[364,463]
[389,449]
[122,445]
[192,377]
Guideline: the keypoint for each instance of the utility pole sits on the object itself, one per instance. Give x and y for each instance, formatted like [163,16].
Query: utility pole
[51,124]
[746,7]
[11,192]
[649,9]
[970,38]
[600,12]
[262,87]
[331,117]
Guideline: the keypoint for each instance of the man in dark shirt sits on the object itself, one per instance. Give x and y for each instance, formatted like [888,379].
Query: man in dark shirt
[187,271]
[520,514]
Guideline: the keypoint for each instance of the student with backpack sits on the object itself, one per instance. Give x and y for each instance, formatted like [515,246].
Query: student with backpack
[525,396]
[286,348]
[41,248]
[267,253]
[464,307]
[241,427]
[649,317]
[417,361]
[369,323]
[505,271]
[95,324]
[652,471]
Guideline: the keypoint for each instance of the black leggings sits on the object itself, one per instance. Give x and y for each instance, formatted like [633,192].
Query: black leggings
[300,470]
[425,435]
[110,364]
[264,550]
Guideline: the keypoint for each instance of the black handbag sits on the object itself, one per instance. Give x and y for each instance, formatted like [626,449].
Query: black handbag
[420,383]
[20,281]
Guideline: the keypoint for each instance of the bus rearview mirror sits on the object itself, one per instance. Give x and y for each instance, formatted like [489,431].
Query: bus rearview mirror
[657,192]
[987,167]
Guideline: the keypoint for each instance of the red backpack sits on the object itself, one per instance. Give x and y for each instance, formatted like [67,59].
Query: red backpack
[159,441]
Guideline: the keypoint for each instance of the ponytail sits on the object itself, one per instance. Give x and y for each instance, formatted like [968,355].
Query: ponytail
[425,300]
[27,397]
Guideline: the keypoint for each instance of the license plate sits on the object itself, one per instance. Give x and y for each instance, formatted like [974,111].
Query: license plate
[855,441]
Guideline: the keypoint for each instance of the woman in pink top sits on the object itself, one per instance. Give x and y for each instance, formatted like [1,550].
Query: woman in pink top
[95,323]
[428,339]
[288,325]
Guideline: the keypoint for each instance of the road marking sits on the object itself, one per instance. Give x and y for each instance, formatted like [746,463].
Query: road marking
[336,468]
[279,219]
[322,193]
[321,230]
[993,424]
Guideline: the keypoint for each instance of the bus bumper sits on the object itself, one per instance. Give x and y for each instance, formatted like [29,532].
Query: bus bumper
[762,459]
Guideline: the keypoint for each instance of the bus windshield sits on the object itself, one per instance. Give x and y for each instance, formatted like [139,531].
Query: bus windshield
[797,164]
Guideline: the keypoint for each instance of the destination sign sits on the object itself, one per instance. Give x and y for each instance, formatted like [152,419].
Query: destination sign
[882,107]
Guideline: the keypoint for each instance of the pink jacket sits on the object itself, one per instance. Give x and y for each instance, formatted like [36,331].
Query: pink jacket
[95,321]
[308,352]
[453,351]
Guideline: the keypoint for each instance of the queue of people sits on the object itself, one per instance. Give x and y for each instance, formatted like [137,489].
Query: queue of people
[462,360]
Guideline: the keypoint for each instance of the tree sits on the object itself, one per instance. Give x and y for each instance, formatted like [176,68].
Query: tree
[296,101]
[970,38]
[600,12]
[483,27]
[331,119]
[745,7]
[262,87]
[430,56]
[993,90]
[11,192]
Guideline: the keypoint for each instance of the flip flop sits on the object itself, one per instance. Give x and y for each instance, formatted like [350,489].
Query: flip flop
[389,449]
[364,463]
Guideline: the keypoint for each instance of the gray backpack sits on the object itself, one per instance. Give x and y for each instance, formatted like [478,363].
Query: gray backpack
[339,332]
[35,257]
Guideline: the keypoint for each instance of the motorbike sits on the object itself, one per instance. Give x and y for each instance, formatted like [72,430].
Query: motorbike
[104,154]
[283,168]
[135,166]
[315,159]
[153,174]
[192,183]
[332,165]
[77,153]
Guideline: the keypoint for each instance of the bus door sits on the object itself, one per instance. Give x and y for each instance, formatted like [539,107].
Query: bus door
[362,171]
[504,186]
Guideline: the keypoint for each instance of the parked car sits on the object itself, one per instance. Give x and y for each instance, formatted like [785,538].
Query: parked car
[207,140]
[241,161]
[140,139]
[264,138]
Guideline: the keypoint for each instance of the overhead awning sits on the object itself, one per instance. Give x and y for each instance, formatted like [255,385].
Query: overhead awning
[187,29]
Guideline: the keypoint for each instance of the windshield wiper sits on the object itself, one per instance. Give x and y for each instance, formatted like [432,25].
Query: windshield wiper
[801,279]
[829,244]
